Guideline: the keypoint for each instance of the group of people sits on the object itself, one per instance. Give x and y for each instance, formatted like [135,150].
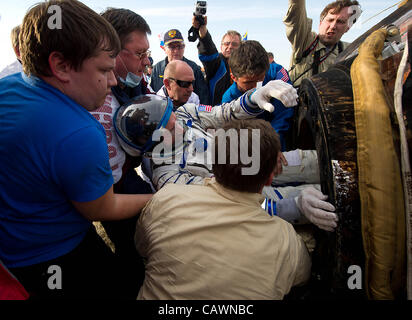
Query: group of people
[75,125]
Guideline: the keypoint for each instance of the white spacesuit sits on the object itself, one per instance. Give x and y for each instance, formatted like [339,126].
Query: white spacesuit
[189,161]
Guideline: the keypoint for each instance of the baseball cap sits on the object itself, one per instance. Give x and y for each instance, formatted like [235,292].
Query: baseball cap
[173,35]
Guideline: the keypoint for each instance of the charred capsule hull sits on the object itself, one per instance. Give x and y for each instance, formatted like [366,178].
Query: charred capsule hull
[370,234]
[325,122]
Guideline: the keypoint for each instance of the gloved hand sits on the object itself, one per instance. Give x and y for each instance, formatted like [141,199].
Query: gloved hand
[311,203]
[277,89]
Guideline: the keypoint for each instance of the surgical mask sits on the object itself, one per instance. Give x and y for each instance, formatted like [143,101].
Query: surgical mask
[132,80]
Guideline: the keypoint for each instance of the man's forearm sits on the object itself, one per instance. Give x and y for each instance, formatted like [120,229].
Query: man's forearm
[128,205]
[202,31]
[295,7]
[206,46]
[112,206]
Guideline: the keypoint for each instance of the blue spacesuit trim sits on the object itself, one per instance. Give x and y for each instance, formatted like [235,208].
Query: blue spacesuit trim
[197,114]
[278,194]
[180,174]
[274,211]
[247,109]
[190,180]
[186,112]
[268,207]
[167,180]
[271,207]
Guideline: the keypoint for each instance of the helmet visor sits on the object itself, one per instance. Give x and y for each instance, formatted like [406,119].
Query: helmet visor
[136,121]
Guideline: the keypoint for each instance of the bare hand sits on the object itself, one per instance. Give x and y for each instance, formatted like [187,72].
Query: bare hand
[202,29]
[281,161]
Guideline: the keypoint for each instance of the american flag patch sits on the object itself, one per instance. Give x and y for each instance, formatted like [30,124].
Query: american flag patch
[284,75]
[204,108]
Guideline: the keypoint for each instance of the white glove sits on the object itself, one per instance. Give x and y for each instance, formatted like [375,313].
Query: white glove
[311,203]
[277,89]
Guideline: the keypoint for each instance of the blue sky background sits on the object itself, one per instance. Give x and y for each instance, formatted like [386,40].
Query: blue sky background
[261,19]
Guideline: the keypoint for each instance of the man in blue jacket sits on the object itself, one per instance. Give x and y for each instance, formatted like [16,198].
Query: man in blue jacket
[215,63]
[249,65]
[175,49]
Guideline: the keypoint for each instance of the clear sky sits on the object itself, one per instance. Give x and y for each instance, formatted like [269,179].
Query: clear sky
[261,19]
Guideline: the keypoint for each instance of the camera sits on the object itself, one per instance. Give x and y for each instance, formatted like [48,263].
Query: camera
[200,9]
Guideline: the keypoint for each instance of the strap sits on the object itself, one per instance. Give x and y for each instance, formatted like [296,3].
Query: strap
[340,46]
[317,60]
[309,49]
[305,53]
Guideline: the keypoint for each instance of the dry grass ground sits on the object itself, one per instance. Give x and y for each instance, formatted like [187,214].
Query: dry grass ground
[99,227]
[102,233]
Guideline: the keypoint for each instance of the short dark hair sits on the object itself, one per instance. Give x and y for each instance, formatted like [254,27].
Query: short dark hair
[230,175]
[249,59]
[125,21]
[336,7]
[83,34]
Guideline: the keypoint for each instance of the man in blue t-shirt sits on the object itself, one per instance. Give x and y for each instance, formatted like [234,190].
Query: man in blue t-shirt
[249,65]
[55,176]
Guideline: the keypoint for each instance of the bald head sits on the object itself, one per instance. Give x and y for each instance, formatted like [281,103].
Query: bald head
[178,71]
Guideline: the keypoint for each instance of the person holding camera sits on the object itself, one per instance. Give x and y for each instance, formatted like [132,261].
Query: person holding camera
[215,64]
[175,49]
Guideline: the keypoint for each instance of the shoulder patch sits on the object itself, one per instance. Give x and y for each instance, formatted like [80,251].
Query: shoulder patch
[204,108]
[283,75]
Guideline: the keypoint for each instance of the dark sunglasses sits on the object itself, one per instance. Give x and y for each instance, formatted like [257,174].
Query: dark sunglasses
[183,84]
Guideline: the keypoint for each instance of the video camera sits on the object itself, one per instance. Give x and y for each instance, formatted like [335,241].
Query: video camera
[200,11]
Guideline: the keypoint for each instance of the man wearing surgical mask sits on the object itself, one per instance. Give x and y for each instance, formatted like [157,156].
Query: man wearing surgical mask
[131,62]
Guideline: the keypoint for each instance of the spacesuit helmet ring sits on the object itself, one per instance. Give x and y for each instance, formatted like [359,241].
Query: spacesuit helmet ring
[136,121]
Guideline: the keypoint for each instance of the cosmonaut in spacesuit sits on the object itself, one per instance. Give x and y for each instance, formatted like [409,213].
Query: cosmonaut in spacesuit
[176,146]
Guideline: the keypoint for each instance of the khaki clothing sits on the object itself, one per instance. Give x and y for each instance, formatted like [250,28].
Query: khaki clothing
[300,35]
[209,242]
